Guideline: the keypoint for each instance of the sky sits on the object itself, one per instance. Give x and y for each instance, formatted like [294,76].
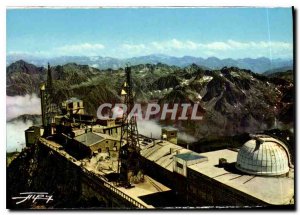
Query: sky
[129,32]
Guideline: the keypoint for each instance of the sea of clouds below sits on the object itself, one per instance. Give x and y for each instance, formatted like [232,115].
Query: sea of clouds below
[15,107]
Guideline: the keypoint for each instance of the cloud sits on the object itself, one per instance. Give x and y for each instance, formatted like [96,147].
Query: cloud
[152,128]
[216,46]
[19,105]
[174,44]
[81,49]
[186,137]
[260,45]
[25,54]
[175,47]
[95,65]
[229,48]
[15,137]
[134,47]
[19,53]
[149,128]
[212,46]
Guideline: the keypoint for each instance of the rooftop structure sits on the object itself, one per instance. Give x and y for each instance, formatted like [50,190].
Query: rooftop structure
[189,156]
[89,138]
[169,129]
[73,106]
[73,99]
[98,142]
[263,155]
[272,190]
[162,153]
[182,161]
[169,134]
[32,134]
[106,122]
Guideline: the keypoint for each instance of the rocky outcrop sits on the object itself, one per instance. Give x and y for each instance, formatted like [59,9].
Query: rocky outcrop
[38,169]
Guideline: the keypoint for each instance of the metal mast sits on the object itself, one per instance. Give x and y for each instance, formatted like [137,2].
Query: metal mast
[47,105]
[128,164]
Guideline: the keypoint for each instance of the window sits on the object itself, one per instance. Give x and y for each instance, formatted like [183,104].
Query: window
[179,165]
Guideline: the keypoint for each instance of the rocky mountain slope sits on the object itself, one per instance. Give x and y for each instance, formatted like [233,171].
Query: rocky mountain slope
[23,78]
[37,169]
[280,69]
[232,100]
[70,80]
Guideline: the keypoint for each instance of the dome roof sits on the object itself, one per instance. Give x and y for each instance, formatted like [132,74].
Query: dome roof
[263,155]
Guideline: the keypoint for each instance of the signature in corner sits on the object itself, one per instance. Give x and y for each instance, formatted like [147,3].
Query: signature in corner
[33,196]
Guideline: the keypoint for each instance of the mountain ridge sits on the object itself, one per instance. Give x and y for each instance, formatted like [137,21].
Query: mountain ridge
[258,65]
[233,100]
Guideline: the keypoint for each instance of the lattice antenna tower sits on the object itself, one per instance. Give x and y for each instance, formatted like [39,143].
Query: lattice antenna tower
[129,153]
[47,103]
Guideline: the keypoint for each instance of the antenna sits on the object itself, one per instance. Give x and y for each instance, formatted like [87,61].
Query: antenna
[128,165]
[48,108]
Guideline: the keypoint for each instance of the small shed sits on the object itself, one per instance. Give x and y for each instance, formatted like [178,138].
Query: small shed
[169,134]
[182,161]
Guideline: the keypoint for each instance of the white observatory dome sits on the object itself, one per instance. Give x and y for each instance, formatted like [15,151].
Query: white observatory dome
[263,155]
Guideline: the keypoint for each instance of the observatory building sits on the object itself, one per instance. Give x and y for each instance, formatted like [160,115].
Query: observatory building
[263,155]
[259,174]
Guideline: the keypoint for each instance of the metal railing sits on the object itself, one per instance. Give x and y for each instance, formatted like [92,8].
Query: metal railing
[96,178]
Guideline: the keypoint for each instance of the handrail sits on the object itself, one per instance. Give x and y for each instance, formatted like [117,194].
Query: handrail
[117,191]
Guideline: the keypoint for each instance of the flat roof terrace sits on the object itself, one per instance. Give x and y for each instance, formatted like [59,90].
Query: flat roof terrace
[149,187]
[162,152]
[272,190]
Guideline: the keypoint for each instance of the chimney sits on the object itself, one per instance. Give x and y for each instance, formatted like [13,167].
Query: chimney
[222,162]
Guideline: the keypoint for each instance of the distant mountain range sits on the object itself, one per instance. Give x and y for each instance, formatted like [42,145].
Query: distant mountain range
[258,65]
